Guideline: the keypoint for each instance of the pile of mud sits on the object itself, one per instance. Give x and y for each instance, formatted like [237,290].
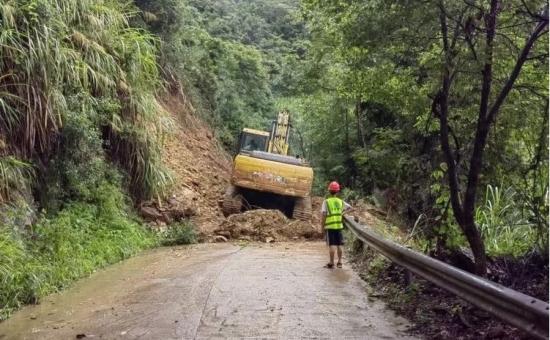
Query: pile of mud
[366,214]
[265,226]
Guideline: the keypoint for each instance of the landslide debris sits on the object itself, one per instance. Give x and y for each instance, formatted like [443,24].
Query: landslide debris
[266,226]
[201,169]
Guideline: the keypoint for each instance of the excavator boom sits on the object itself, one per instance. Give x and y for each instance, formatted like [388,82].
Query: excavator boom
[280,133]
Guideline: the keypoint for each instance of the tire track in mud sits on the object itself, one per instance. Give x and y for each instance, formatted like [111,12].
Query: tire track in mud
[210,292]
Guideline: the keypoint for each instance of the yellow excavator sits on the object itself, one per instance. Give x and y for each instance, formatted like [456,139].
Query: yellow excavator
[265,176]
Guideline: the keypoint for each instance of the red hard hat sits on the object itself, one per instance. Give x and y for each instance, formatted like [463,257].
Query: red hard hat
[334,187]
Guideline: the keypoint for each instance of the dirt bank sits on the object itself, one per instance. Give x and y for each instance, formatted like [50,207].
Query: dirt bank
[200,166]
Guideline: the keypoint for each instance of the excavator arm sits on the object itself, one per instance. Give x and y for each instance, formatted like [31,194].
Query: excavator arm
[280,133]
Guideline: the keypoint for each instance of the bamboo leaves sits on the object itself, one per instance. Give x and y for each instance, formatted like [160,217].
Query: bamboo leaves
[14,174]
[54,50]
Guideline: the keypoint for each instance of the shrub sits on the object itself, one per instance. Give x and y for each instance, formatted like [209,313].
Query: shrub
[179,233]
[88,67]
[350,195]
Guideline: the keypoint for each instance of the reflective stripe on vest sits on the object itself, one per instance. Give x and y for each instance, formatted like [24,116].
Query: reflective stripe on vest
[335,207]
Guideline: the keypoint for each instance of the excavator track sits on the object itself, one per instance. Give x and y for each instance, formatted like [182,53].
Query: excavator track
[302,209]
[232,201]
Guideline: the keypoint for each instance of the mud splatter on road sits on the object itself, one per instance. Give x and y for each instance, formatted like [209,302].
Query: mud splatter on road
[213,291]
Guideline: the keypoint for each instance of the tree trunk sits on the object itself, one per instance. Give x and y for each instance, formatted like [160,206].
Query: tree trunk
[302,143]
[360,128]
[463,211]
[349,162]
[476,244]
[346,132]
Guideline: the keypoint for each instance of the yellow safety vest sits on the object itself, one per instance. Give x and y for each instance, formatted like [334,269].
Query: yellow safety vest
[335,208]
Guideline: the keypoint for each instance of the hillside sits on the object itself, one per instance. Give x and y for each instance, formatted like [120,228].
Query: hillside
[201,171]
[200,166]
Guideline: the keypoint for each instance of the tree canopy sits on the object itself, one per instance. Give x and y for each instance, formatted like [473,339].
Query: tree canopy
[444,103]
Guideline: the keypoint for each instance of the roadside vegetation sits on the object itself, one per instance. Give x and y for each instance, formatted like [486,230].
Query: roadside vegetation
[435,313]
[73,243]
[439,119]
[179,234]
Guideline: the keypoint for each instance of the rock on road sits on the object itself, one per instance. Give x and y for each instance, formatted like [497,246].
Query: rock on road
[213,291]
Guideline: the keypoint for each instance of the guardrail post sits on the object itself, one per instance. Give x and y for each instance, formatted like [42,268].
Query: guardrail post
[358,245]
[409,278]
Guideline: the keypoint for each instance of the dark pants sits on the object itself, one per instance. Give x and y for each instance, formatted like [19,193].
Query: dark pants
[335,237]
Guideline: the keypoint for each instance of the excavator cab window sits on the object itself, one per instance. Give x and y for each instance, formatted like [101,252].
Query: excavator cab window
[252,142]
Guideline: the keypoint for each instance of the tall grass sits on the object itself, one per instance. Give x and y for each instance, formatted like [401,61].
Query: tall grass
[503,224]
[55,51]
[14,174]
[77,90]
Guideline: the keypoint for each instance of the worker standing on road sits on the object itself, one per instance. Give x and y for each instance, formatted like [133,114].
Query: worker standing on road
[333,209]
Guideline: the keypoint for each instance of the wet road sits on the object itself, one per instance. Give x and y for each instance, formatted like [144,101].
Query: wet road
[213,291]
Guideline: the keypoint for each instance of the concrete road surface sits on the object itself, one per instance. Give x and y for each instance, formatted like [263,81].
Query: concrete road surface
[213,291]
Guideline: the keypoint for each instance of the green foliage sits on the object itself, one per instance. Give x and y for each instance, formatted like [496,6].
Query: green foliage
[364,102]
[14,174]
[78,167]
[227,79]
[506,230]
[69,61]
[81,238]
[232,57]
[349,195]
[382,163]
[178,234]
[272,27]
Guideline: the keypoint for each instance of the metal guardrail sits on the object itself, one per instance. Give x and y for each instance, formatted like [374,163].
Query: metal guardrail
[520,310]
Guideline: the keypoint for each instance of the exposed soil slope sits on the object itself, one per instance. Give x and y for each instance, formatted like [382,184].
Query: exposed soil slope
[200,166]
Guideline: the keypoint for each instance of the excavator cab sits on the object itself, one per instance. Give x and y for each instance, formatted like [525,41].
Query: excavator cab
[253,140]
